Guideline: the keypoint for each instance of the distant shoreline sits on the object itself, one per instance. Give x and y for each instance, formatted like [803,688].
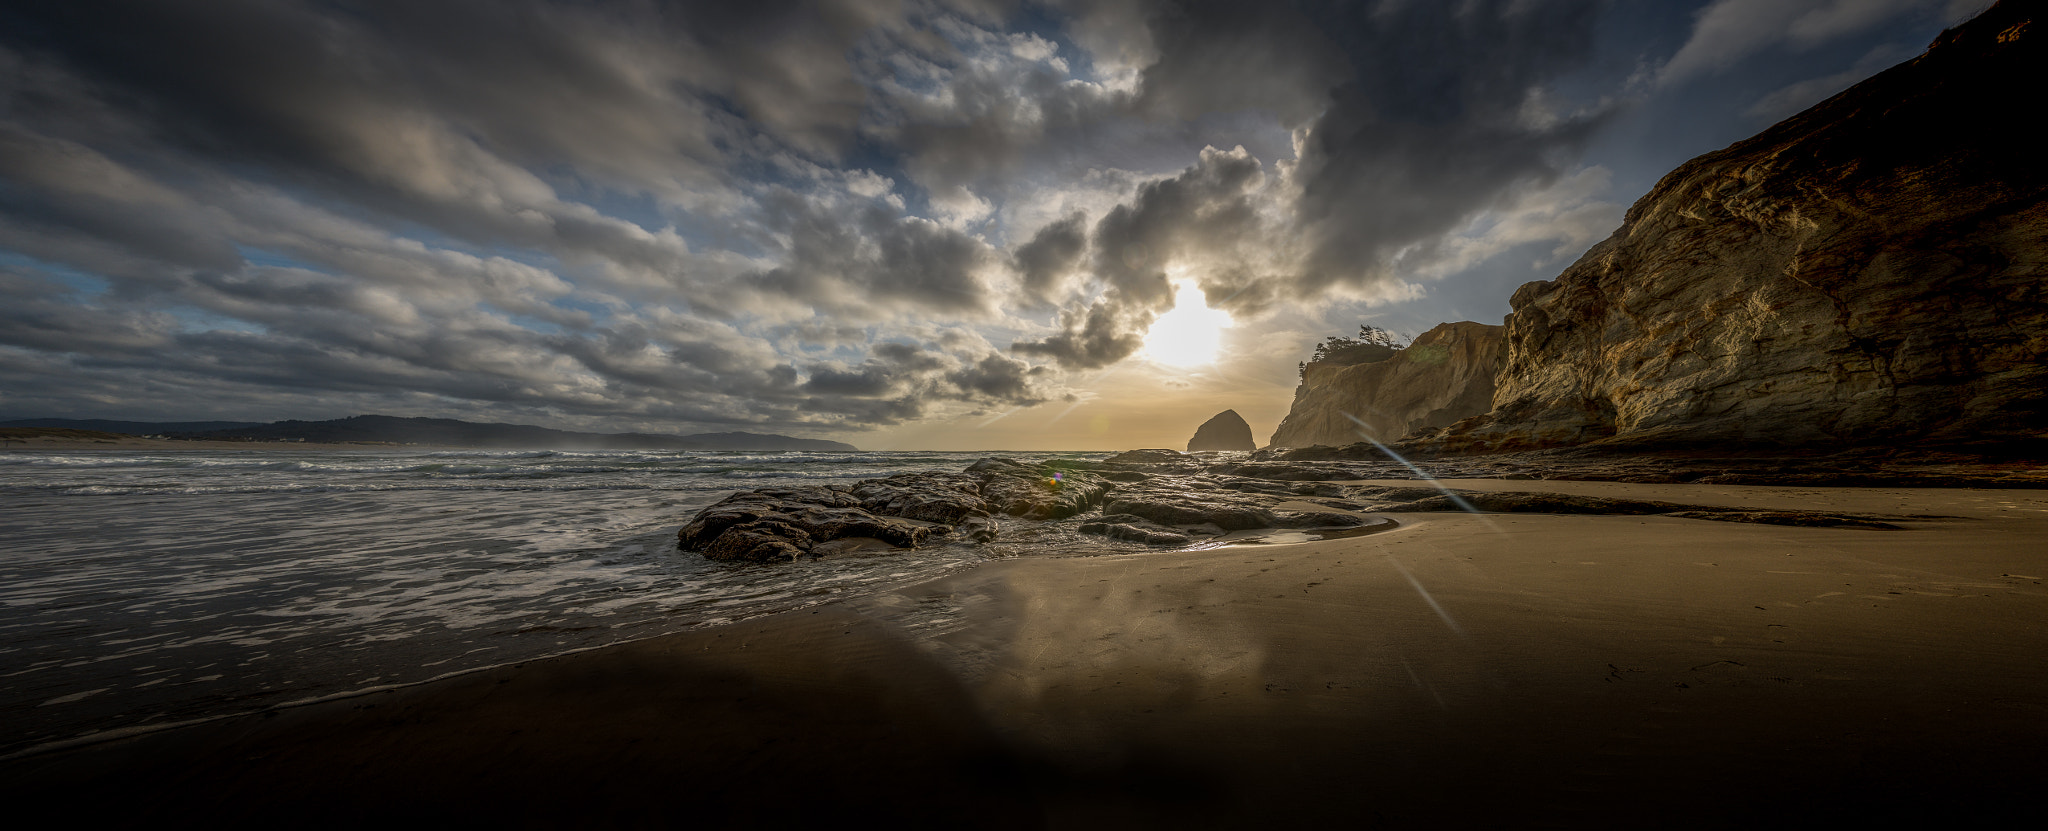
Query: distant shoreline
[117,441]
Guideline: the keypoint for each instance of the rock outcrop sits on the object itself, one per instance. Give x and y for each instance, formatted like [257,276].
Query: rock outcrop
[1125,502]
[1156,497]
[1445,375]
[1873,270]
[1226,431]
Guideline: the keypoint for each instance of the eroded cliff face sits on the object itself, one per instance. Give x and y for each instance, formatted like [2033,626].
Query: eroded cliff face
[1445,375]
[1869,271]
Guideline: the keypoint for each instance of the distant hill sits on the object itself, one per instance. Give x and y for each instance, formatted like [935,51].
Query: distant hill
[132,428]
[445,432]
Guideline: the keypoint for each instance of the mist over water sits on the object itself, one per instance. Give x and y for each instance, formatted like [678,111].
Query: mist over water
[153,587]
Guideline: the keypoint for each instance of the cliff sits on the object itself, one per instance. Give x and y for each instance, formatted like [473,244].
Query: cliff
[1445,375]
[1870,271]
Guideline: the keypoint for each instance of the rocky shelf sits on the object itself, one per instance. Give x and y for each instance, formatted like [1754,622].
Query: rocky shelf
[1165,498]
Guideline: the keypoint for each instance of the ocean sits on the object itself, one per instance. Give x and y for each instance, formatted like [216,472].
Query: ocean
[145,588]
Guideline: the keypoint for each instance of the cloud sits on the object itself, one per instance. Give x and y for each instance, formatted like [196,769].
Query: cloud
[1792,98]
[1727,31]
[267,153]
[1049,259]
[1197,221]
[1436,117]
[1434,129]
[1568,215]
[1092,337]
[874,263]
[69,193]
[801,217]
[1224,56]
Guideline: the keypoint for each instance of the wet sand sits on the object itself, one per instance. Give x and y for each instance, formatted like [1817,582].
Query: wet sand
[1522,670]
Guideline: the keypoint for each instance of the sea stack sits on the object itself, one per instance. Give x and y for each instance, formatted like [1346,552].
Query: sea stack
[1226,431]
[1867,272]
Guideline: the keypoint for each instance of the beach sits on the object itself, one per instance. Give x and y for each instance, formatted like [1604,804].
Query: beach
[1538,670]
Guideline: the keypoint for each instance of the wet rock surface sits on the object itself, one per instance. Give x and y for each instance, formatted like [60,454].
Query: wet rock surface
[1152,461]
[1154,497]
[1169,498]
[1133,528]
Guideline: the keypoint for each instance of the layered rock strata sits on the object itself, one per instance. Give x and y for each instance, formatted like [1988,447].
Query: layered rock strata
[1873,270]
[1871,467]
[1444,376]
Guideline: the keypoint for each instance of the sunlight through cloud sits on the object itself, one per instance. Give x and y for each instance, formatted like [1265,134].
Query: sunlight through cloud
[1191,334]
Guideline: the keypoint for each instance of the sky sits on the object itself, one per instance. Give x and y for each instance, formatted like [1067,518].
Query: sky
[902,224]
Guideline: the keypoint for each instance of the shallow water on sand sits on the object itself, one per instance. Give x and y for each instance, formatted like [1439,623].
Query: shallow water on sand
[143,588]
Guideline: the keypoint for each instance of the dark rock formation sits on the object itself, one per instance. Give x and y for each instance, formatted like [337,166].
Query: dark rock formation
[1022,490]
[911,509]
[1286,471]
[1168,504]
[1153,461]
[1163,497]
[785,523]
[1869,271]
[903,510]
[1135,529]
[1226,431]
[1445,375]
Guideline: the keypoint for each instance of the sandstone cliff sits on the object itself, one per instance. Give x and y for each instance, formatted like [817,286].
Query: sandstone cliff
[1226,431]
[1446,375]
[1868,271]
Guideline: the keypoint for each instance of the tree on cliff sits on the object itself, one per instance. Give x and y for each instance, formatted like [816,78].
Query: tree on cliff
[1372,344]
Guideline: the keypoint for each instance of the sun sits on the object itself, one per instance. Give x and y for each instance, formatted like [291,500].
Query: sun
[1191,334]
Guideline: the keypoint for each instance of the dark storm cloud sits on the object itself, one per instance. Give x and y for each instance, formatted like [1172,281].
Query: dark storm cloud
[802,215]
[1049,259]
[154,143]
[462,115]
[1424,114]
[1000,379]
[874,256]
[67,190]
[1092,337]
[1205,214]
[1440,120]
[971,118]
[1206,209]
[1416,118]
[37,313]
[900,372]
[1224,56]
